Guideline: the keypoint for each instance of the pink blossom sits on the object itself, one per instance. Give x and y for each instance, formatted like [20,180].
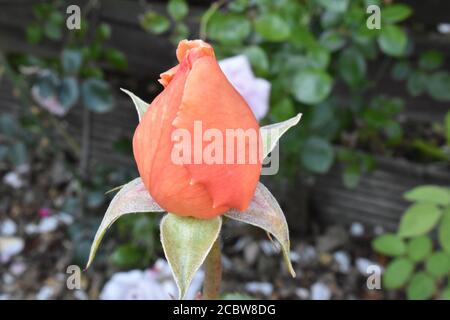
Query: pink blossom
[50,103]
[43,212]
[255,91]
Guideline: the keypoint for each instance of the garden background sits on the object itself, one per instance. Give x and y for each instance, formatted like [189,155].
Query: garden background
[363,178]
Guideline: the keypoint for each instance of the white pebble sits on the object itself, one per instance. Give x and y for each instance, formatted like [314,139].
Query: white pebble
[8,227]
[362,264]
[45,293]
[13,180]
[320,291]
[9,247]
[343,260]
[356,229]
[302,293]
[268,247]
[444,28]
[17,268]
[264,288]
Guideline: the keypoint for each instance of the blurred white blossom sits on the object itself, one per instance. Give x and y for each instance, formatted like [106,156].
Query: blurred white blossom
[255,91]
[153,284]
[49,103]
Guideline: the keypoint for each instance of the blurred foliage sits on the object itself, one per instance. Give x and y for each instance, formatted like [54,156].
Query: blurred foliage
[142,245]
[316,54]
[78,70]
[418,266]
[14,142]
[73,76]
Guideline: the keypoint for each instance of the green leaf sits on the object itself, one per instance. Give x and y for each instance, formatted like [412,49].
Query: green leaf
[180,32]
[438,264]
[228,28]
[318,57]
[311,86]
[417,83]
[264,212]
[96,95]
[421,287]
[132,198]
[389,244]
[431,60]
[317,155]
[18,154]
[446,294]
[34,33]
[401,70]
[419,248]
[270,134]
[178,9]
[393,131]
[395,13]
[258,58]
[154,22]
[447,127]
[352,67]
[236,295]
[71,60]
[429,193]
[141,106]
[283,109]
[68,92]
[397,273]
[127,256]
[272,27]
[335,5]
[332,40]
[302,37]
[439,86]
[116,58]
[330,19]
[47,84]
[103,31]
[42,10]
[351,176]
[419,219]
[392,40]
[53,26]
[444,231]
[186,242]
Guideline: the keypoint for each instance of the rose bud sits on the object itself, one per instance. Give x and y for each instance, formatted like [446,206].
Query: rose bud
[197,147]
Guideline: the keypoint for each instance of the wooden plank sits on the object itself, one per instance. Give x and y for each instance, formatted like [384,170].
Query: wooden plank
[378,198]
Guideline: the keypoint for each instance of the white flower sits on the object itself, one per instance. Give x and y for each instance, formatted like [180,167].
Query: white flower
[153,284]
[255,91]
[50,103]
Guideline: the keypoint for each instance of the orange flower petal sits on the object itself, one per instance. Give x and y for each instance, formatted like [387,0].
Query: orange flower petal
[209,97]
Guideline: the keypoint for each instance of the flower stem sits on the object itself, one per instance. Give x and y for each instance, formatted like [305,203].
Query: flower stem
[213,272]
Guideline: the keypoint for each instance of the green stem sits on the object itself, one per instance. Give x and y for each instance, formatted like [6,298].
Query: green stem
[207,16]
[213,272]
